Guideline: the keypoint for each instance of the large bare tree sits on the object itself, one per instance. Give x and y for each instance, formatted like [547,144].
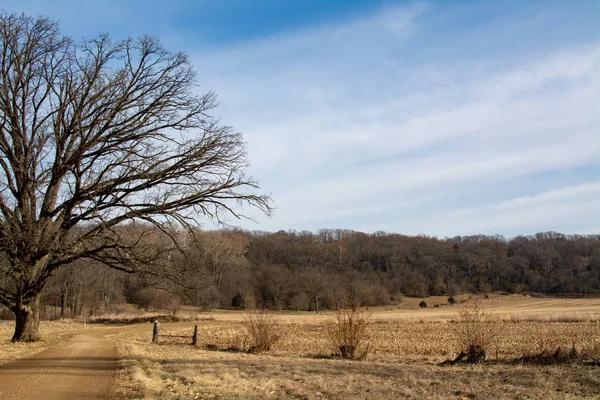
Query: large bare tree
[96,137]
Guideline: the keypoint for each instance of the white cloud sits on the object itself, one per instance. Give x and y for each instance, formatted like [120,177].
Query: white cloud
[344,130]
[381,124]
[552,210]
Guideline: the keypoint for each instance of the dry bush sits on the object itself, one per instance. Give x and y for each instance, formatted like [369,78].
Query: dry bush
[6,314]
[263,330]
[553,349]
[175,372]
[348,333]
[562,355]
[475,331]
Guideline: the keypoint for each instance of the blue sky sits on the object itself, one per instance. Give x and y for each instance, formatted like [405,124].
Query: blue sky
[443,117]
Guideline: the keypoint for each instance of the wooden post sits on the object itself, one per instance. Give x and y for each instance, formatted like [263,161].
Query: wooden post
[195,338]
[155,332]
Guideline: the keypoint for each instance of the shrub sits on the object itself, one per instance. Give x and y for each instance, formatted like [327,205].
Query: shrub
[6,314]
[299,302]
[475,331]
[561,355]
[423,304]
[348,333]
[262,329]
[237,301]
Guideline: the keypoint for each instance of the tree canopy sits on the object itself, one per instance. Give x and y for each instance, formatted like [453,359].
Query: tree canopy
[94,137]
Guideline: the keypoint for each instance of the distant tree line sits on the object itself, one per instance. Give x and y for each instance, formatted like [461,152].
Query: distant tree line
[296,269]
[311,271]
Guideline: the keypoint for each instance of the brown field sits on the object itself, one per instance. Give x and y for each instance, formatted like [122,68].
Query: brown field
[406,345]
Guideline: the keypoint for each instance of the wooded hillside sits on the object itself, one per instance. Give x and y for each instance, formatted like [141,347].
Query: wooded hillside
[297,270]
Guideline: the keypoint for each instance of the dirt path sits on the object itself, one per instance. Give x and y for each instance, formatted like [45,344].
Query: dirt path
[82,367]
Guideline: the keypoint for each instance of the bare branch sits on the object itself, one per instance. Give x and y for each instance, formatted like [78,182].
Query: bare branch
[99,135]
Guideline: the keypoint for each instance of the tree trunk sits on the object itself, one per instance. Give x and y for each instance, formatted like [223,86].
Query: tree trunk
[64,295]
[27,321]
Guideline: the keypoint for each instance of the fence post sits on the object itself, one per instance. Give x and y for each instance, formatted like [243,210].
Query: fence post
[195,338]
[155,332]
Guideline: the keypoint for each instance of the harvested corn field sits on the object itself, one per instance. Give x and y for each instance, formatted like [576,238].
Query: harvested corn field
[404,351]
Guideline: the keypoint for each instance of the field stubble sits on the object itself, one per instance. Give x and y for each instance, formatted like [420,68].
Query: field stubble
[402,362]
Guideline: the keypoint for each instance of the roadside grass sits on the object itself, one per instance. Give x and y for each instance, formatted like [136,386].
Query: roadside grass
[49,330]
[406,344]
[402,362]
[294,370]
[389,340]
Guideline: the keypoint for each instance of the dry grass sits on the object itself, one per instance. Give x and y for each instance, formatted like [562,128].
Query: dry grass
[403,357]
[388,340]
[49,330]
[476,330]
[348,333]
[183,372]
[562,355]
[263,331]
[405,346]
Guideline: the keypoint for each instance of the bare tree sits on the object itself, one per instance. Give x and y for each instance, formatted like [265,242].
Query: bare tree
[96,138]
[217,252]
[315,281]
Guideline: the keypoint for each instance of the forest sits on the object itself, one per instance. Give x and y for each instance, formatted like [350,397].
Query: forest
[310,271]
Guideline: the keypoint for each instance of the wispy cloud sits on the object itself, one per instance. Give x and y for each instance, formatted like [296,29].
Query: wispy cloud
[431,118]
[346,130]
[557,210]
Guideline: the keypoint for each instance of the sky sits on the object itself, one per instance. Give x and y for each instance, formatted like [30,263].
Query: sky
[441,118]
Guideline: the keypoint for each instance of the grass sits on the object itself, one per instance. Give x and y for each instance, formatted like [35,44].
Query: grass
[406,344]
[262,330]
[348,333]
[389,340]
[405,348]
[476,330]
[182,372]
[50,332]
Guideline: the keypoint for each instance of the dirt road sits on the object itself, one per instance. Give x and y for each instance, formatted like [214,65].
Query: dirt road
[82,367]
